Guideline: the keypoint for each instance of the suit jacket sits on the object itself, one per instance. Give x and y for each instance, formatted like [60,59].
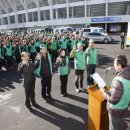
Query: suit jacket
[27,71]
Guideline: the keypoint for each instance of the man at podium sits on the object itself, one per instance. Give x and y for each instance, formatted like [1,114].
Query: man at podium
[119,97]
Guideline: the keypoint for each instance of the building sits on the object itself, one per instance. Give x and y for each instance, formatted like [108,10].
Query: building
[111,14]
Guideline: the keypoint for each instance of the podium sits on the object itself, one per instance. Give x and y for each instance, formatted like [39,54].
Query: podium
[97,112]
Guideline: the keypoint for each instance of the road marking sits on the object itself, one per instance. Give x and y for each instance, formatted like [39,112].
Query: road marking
[4,98]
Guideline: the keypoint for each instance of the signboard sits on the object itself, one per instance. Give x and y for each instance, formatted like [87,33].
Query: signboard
[106,19]
[128,35]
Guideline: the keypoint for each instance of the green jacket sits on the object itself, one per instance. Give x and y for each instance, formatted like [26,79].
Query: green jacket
[37,70]
[79,59]
[125,99]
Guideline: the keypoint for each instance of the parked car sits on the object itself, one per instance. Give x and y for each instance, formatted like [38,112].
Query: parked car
[98,37]
[85,31]
[63,29]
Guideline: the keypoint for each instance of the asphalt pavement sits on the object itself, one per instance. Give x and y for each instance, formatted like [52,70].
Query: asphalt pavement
[65,113]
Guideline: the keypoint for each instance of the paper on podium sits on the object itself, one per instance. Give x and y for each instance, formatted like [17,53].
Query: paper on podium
[98,79]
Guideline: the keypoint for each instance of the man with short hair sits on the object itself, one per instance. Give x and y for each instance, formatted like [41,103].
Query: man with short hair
[27,69]
[119,97]
[43,68]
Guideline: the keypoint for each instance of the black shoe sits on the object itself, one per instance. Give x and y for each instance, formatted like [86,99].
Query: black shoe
[36,105]
[65,94]
[61,92]
[49,97]
[47,100]
[29,108]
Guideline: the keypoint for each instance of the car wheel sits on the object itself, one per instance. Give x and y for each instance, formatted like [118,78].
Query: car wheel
[106,41]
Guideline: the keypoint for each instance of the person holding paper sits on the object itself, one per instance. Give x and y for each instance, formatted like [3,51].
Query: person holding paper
[91,52]
[119,97]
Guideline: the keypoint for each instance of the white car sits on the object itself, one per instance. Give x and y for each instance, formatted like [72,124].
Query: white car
[98,37]
[85,31]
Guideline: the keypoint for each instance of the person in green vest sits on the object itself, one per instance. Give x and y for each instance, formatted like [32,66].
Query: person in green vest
[63,69]
[37,43]
[2,63]
[91,52]
[64,43]
[8,53]
[118,98]
[54,49]
[73,42]
[43,68]
[24,46]
[80,65]
[32,50]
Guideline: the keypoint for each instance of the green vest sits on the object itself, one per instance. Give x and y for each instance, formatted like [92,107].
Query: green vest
[64,44]
[37,71]
[54,45]
[64,70]
[9,51]
[79,60]
[33,48]
[125,99]
[92,56]
[73,43]
[38,43]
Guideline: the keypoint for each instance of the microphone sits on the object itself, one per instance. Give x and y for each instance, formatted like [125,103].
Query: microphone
[105,74]
[106,70]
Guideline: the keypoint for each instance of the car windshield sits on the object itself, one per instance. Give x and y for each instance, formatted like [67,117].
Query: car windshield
[69,29]
[86,30]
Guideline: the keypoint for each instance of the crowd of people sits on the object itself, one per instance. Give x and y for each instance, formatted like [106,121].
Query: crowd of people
[11,46]
[42,54]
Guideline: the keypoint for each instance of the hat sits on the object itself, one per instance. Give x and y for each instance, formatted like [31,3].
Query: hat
[42,46]
[91,41]
[79,44]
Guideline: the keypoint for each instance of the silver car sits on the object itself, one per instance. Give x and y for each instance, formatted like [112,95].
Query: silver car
[98,37]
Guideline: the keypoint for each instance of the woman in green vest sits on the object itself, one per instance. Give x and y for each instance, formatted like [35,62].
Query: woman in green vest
[80,65]
[63,69]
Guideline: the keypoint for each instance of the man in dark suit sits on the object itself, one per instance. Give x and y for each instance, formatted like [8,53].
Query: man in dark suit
[27,69]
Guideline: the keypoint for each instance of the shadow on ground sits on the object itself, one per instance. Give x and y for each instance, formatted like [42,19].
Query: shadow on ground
[8,78]
[62,121]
